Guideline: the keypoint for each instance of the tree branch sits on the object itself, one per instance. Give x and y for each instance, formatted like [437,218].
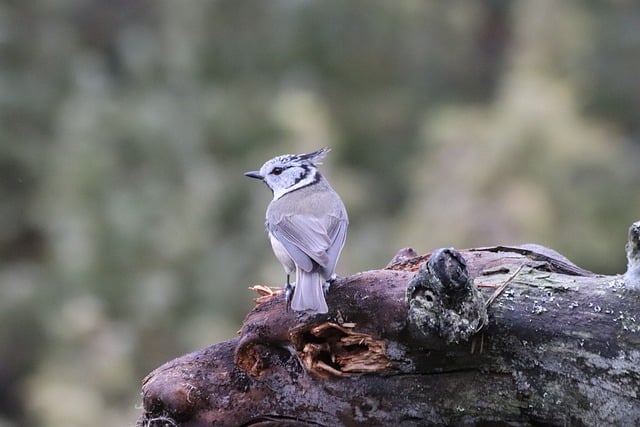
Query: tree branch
[424,342]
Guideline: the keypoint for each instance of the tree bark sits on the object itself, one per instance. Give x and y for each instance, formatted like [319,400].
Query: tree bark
[500,335]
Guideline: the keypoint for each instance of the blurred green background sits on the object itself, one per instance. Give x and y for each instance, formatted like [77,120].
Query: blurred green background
[129,235]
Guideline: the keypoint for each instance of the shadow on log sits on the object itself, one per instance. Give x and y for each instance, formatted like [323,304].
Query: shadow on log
[505,335]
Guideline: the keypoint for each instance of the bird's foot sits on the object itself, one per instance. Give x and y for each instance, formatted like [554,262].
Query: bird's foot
[327,284]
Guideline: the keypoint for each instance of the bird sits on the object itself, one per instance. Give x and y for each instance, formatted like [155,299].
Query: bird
[307,225]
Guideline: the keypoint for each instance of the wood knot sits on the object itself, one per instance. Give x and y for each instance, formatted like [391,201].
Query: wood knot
[443,301]
[632,276]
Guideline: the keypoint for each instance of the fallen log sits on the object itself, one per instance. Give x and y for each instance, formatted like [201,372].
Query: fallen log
[507,335]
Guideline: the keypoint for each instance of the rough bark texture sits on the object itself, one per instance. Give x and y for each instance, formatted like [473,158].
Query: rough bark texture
[556,345]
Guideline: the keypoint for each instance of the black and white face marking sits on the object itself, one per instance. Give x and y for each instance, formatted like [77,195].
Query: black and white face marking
[283,178]
[290,172]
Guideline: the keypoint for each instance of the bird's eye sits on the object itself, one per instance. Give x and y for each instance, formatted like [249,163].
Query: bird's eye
[276,171]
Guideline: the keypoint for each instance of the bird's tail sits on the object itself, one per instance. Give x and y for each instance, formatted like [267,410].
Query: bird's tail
[309,292]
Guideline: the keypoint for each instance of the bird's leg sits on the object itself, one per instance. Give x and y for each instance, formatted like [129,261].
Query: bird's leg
[288,293]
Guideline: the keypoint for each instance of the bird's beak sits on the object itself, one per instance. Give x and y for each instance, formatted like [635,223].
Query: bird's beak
[254,174]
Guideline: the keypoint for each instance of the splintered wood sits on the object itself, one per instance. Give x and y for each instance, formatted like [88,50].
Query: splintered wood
[338,350]
[265,292]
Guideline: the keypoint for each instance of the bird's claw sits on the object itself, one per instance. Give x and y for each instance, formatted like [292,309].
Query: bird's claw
[327,284]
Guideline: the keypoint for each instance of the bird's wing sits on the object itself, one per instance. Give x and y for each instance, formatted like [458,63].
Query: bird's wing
[306,239]
[337,231]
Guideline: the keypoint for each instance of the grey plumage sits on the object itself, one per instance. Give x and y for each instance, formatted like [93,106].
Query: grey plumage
[307,225]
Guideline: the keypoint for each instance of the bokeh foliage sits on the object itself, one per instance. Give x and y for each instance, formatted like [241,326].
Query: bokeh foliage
[129,234]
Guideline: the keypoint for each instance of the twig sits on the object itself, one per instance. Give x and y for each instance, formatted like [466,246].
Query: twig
[502,287]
